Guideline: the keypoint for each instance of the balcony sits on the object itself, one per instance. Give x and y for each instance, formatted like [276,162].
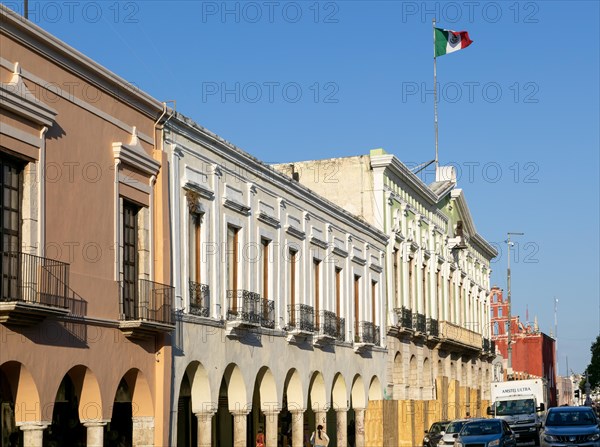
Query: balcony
[330,328]
[433,329]
[199,299]
[146,308]
[405,321]
[369,336]
[301,322]
[455,337]
[247,309]
[419,323]
[32,289]
[489,347]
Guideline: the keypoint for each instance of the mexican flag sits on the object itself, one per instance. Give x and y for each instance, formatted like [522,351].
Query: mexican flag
[448,41]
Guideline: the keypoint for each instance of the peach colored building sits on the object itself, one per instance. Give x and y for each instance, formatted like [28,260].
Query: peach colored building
[85,305]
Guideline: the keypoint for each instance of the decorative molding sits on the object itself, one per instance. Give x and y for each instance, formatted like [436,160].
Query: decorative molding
[16,98]
[295,232]
[134,155]
[236,206]
[200,190]
[269,220]
[340,252]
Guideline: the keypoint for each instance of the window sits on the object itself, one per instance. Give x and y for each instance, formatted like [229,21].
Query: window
[194,247]
[395,277]
[411,291]
[495,298]
[499,311]
[232,264]
[338,285]
[10,223]
[11,182]
[374,301]
[424,296]
[451,300]
[356,304]
[293,255]
[317,286]
[130,260]
[265,267]
[506,327]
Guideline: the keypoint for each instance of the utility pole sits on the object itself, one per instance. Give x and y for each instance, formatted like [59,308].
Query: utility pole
[508,242]
[26,9]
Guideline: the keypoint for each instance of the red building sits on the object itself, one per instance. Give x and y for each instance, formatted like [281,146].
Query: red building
[533,352]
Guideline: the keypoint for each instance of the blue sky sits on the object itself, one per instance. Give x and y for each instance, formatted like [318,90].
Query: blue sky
[519,109]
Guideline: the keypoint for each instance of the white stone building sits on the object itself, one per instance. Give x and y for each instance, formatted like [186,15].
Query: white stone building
[280,297]
[438,270]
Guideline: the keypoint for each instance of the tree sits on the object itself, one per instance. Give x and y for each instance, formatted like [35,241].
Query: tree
[593,368]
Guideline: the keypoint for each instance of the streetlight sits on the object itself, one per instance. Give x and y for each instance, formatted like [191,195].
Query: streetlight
[509,243]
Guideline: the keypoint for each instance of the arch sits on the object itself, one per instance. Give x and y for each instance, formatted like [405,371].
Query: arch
[375,392]
[358,393]
[25,392]
[339,392]
[397,375]
[413,379]
[200,387]
[293,390]
[268,389]
[318,393]
[141,396]
[237,394]
[427,379]
[87,389]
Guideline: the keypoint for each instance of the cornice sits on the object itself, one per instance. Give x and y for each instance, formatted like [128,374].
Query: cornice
[187,128]
[45,44]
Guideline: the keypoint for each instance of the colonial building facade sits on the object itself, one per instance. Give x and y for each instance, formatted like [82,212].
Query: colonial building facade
[85,305]
[281,302]
[438,269]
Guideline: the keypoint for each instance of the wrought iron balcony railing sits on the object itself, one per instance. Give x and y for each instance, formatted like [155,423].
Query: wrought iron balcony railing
[31,279]
[250,307]
[199,299]
[369,333]
[492,346]
[332,325]
[419,323]
[301,317]
[486,344]
[404,317]
[433,327]
[147,300]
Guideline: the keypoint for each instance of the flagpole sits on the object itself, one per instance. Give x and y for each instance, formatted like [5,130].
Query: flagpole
[435,112]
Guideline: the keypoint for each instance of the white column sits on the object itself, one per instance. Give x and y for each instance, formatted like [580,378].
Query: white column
[95,433]
[142,431]
[271,427]
[359,421]
[33,433]
[341,427]
[239,427]
[205,428]
[321,419]
[297,427]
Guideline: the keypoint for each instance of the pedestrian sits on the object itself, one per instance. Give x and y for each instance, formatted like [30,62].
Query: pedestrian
[319,438]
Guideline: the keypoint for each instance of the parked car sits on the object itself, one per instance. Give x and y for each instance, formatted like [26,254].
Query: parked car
[486,433]
[452,429]
[570,426]
[434,434]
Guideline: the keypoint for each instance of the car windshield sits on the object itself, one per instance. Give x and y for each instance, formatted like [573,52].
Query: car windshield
[572,417]
[454,427]
[512,407]
[482,428]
